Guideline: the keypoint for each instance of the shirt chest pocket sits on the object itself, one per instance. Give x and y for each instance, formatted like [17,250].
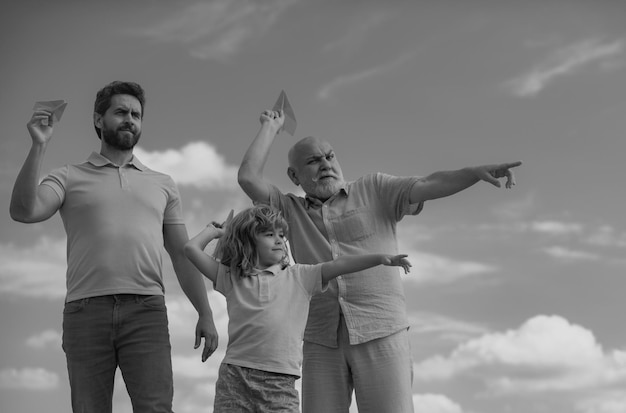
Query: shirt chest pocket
[355,225]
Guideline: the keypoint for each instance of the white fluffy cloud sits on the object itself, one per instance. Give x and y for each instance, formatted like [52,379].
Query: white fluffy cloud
[28,378]
[38,271]
[444,328]
[435,403]
[217,29]
[431,268]
[47,338]
[556,227]
[565,61]
[196,164]
[546,353]
[569,255]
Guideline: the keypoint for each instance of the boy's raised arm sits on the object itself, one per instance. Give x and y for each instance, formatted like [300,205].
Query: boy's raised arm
[250,175]
[352,263]
[194,250]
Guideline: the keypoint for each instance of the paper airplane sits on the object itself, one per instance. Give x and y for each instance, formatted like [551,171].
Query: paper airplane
[290,119]
[55,107]
[229,218]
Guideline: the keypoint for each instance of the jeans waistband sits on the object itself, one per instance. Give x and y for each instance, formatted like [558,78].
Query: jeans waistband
[117,297]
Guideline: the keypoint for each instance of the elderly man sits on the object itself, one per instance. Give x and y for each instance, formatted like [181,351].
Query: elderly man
[356,337]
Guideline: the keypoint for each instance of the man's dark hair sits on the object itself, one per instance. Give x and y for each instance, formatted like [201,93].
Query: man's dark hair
[103,98]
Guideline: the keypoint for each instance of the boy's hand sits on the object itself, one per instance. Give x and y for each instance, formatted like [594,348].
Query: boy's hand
[398,261]
[217,227]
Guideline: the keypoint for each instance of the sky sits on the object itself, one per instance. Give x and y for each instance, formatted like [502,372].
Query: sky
[515,295]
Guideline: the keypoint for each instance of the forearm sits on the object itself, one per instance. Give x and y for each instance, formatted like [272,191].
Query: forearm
[24,196]
[192,283]
[200,241]
[442,184]
[347,264]
[250,175]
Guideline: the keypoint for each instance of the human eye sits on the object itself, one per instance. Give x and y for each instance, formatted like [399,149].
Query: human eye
[136,115]
[330,156]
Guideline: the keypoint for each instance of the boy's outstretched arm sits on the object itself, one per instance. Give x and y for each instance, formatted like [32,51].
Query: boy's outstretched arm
[352,263]
[250,176]
[194,250]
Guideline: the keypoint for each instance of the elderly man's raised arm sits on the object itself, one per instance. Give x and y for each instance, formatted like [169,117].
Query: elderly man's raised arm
[250,175]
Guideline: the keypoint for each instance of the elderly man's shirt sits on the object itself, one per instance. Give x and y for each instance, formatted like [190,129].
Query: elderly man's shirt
[360,219]
[267,313]
[114,216]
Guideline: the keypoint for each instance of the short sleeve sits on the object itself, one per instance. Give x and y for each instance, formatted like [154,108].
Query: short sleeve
[310,277]
[397,190]
[173,210]
[223,282]
[57,181]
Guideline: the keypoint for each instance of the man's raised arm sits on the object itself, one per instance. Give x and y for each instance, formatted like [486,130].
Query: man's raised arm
[250,175]
[30,201]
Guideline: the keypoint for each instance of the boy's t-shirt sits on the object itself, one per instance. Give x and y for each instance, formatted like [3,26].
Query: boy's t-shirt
[267,315]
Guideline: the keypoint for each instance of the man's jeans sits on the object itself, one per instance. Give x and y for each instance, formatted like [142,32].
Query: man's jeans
[125,330]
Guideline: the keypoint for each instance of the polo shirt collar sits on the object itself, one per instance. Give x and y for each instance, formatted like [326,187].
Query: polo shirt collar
[99,160]
[274,269]
[311,202]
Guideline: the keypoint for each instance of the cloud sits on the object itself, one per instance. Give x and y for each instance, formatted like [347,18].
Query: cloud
[218,29]
[436,269]
[556,227]
[545,354]
[196,164]
[354,78]
[435,403]
[446,328]
[606,236]
[517,209]
[569,255]
[38,271]
[361,24]
[28,378]
[45,339]
[607,402]
[565,61]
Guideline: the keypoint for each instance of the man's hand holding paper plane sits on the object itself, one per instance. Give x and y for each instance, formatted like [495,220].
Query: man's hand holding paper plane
[55,107]
[290,118]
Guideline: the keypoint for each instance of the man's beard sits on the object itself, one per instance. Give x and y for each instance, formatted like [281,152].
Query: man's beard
[324,190]
[118,139]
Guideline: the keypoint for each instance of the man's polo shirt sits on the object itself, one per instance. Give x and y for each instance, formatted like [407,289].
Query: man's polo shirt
[360,219]
[267,313]
[114,216]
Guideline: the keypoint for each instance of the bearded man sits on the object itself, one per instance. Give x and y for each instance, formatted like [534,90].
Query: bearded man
[118,215]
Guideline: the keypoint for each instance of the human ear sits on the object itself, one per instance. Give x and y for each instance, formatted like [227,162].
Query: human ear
[292,175]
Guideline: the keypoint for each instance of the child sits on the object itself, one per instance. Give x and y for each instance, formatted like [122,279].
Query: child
[268,306]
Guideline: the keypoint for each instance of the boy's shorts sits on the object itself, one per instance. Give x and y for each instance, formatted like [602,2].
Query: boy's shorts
[241,389]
